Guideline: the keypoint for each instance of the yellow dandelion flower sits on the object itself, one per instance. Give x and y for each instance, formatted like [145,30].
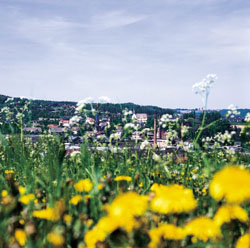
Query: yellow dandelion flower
[141,185]
[47,213]
[67,218]
[243,241]
[21,190]
[123,178]
[130,203]
[232,183]
[76,199]
[25,199]
[107,224]
[172,199]
[55,239]
[4,193]
[93,236]
[88,222]
[126,206]
[21,222]
[83,185]
[166,231]
[100,186]
[229,212]
[9,171]
[52,214]
[203,228]
[21,237]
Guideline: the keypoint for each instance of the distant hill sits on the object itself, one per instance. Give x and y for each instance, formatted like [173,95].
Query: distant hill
[38,105]
[110,107]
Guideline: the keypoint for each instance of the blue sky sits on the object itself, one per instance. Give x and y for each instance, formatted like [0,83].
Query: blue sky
[148,52]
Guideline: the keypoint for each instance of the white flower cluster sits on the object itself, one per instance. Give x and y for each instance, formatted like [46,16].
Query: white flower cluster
[126,112]
[170,136]
[115,136]
[203,88]
[81,104]
[75,120]
[104,99]
[232,111]
[145,144]
[184,130]
[247,117]
[165,119]
[130,125]
[222,138]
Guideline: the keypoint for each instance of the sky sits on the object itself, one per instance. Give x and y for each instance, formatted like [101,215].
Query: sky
[148,52]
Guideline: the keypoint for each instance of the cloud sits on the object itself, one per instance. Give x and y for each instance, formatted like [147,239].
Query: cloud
[114,19]
[46,31]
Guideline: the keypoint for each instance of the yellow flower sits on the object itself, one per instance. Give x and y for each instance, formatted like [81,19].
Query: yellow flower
[83,185]
[203,228]
[9,171]
[130,202]
[21,237]
[25,199]
[76,199]
[52,214]
[232,183]
[172,199]
[126,206]
[204,191]
[93,236]
[47,213]
[166,231]
[123,178]
[100,186]
[4,193]
[243,241]
[21,222]
[107,224]
[67,218]
[229,212]
[141,185]
[55,239]
[21,190]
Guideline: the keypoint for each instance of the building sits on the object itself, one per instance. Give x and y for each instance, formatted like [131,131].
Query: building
[142,118]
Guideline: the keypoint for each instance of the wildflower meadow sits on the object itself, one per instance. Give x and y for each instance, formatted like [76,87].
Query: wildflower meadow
[123,196]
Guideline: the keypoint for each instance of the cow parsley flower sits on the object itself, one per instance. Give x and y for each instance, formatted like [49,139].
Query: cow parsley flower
[232,111]
[247,117]
[145,144]
[203,88]
[104,99]
[74,120]
[130,125]
[81,104]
